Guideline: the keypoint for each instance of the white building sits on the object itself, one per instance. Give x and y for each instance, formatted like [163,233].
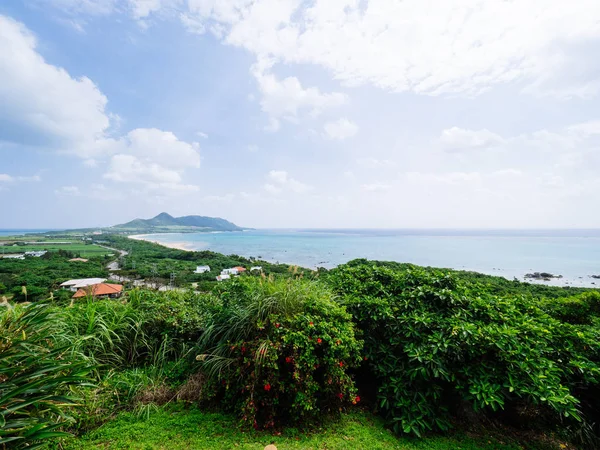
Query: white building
[256,269]
[21,256]
[202,269]
[36,254]
[223,277]
[73,285]
[232,271]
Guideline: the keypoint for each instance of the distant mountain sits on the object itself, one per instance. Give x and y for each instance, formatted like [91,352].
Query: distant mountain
[166,221]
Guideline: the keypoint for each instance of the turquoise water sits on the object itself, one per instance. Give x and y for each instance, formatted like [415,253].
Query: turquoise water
[575,254]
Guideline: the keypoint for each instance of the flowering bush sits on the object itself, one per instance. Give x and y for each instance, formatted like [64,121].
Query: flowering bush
[279,352]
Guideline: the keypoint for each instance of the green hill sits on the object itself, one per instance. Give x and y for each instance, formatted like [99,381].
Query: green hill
[165,222]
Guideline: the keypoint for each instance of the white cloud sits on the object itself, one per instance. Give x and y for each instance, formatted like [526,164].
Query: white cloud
[202,134]
[34,178]
[129,169]
[143,8]
[192,24]
[68,191]
[376,187]
[6,178]
[162,147]
[287,98]
[589,128]
[154,158]
[271,188]
[89,7]
[280,181]
[466,47]
[458,139]
[340,129]
[279,176]
[53,109]
[41,103]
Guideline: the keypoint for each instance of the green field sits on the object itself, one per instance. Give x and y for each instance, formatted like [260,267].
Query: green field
[84,250]
[75,246]
[194,429]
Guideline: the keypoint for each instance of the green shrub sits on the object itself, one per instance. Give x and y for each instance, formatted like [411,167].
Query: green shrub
[35,377]
[431,343]
[582,309]
[279,351]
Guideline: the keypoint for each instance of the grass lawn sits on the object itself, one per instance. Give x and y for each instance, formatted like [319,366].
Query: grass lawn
[193,429]
[76,247]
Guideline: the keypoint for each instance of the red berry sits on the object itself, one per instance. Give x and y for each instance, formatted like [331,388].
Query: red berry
[341,364]
[288,359]
[267,387]
[277,325]
[319,340]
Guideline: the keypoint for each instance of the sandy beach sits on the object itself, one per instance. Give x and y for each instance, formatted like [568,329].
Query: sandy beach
[148,237]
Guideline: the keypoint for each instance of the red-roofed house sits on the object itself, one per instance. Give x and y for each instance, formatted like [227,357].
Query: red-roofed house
[240,269]
[101,290]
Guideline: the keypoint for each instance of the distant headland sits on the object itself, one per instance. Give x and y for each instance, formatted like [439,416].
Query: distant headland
[166,223]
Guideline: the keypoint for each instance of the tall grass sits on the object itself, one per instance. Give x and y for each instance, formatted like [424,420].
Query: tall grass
[36,377]
[109,332]
[135,351]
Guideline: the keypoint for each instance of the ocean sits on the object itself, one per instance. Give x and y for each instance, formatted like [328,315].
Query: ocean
[574,254]
[20,232]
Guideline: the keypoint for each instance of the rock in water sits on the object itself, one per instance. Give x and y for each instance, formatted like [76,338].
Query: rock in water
[542,276]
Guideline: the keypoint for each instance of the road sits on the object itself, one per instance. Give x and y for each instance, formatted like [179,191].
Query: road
[114,265]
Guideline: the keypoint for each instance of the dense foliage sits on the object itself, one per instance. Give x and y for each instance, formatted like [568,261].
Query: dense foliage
[40,276]
[35,278]
[280,351]
[425,347]
[434,343]
[36,376]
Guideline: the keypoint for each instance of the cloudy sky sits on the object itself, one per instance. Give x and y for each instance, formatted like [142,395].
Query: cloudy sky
[291,113]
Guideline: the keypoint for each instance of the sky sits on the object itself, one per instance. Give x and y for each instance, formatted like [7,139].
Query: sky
[292,113]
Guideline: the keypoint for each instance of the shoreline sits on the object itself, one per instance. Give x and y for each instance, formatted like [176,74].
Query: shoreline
[565,282]
[174,245]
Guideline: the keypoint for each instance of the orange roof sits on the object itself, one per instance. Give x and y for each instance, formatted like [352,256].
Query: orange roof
[98,289]
[240,269]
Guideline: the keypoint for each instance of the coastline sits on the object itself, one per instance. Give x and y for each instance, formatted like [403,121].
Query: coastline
[174,245]
[568,280]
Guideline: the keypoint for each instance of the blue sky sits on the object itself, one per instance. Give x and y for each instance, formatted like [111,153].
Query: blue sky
[290,113]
